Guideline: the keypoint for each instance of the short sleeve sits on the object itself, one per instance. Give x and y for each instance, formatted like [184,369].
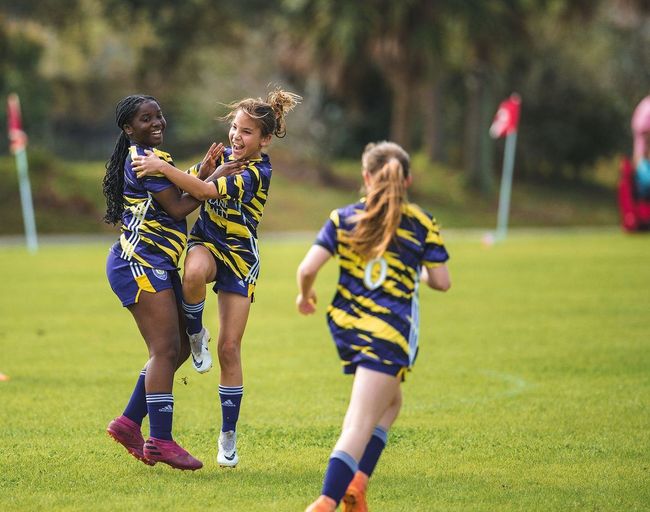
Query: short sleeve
[156,184]
[151,184]
[327,236]
[435,252]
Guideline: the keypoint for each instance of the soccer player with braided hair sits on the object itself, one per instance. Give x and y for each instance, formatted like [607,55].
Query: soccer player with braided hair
[142,271]
[223,246]
[385,247]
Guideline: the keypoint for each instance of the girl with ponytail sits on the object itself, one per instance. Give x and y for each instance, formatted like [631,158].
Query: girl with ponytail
[385,246]
[223,247]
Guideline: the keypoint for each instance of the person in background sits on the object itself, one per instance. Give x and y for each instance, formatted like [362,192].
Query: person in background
[385,247]
[641,155]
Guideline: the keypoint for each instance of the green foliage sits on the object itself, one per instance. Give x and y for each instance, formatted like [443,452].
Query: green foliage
[21,50]
[67,197]
[367,70]
[530,391]
[552,148]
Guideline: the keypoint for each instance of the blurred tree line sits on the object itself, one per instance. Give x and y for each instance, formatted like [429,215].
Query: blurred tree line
[426,73]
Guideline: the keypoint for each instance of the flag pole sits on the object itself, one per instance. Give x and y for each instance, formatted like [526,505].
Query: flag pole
[506,185]
[506,122]
[18,146]
[26,200]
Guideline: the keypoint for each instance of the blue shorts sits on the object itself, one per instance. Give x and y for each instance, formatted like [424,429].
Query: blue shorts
[226,280]
[129,279]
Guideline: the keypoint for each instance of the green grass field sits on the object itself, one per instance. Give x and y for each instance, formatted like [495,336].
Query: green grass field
[531,391]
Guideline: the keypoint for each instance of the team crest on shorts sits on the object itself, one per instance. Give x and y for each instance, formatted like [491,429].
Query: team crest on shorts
[160,274]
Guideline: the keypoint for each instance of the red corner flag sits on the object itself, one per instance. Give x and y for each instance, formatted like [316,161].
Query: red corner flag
[17,137]
[506,119]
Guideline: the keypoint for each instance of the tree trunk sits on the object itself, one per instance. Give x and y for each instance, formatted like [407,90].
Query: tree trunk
[432,123]
[400,123]
[477,144]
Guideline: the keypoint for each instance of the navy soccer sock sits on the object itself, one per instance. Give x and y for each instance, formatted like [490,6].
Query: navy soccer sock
[161,414]
[373,450]
[136,409]
[194,316]
[230,398]
[339,474]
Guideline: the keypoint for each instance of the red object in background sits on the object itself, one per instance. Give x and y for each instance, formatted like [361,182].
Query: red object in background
[635,212]
[506,120]
[17,137]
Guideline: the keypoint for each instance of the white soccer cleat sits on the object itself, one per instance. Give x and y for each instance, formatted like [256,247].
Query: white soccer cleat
[227,456]
[201,357]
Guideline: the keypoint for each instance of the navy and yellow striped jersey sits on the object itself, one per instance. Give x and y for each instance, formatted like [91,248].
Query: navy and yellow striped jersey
[374,315]
[150,236]
[228,226]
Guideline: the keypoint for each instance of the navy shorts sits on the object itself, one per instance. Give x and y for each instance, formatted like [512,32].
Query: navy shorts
[226,280]
[128,279]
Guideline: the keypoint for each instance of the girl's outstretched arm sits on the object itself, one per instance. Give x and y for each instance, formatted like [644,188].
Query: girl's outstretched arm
[308,269]
[150,165]
[175,203]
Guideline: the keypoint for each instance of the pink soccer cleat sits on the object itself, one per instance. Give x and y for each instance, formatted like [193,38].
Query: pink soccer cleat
[169,452]
[127,433]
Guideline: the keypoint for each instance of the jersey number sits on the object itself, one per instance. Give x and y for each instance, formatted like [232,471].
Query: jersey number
[375,273]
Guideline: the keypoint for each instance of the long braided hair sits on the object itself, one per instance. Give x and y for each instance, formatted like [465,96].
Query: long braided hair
[389,166]
[113,183]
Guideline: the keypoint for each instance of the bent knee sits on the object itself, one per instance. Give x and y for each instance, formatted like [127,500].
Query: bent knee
[169,351]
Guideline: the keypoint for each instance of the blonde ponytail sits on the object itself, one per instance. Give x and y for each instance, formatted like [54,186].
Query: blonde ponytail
[388,166]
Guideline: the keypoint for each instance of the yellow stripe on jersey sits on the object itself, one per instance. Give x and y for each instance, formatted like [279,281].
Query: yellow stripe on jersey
[170,252]
[390,286]
[367,350]
[433,235]
[221,185]
[233,260]
[160,154]
[217,219]
[407,235]
[153,226]
[238,230]
[372,324]
[240,263]
[363,301]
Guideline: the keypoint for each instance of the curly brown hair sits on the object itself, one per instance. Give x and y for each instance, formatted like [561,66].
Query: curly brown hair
[269,113]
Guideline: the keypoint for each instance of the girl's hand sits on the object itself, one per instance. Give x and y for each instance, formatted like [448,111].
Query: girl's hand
[230,168]
[209,162]
[307,305]
[147,165]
